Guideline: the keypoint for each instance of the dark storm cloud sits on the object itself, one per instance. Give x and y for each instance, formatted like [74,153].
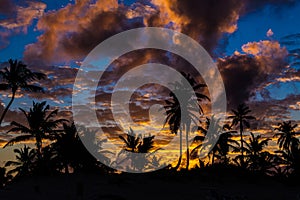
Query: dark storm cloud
[244,74]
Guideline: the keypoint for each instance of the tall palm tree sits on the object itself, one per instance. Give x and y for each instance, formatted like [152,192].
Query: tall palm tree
[18,76]
[183,112]
[41,125]
[240,117]
[287,135]
[24,163]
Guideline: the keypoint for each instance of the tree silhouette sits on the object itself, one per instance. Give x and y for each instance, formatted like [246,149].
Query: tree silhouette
[184,112]
[290,161]
[287,135]
[240,117]
[24,163]
[65,146]
[221,134]
[257,158]
[18,76]
[4,177]
[41,125]
[138,144]
[131,141]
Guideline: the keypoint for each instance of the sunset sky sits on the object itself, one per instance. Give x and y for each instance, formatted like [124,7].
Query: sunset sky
[254,43]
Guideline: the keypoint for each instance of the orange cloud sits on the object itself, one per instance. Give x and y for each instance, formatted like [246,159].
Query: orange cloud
[24,15]
[71,32]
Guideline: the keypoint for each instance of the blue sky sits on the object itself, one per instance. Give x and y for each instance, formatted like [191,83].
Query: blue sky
[251,27]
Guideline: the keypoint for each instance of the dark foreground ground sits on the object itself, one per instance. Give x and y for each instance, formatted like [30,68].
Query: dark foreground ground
[208,185]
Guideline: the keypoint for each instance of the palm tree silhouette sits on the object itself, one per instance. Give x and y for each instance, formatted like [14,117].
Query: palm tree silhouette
[24,163]
[65,146]
[287,135]
[18,76]
[241,118]
[183,112]
[131,141]
[41,125]
[225,143]
[221,134]
[85,159]
[146,145]
[254,152]
[138,144]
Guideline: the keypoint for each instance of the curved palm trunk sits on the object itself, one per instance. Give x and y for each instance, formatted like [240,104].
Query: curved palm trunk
[8,106]
[180,149]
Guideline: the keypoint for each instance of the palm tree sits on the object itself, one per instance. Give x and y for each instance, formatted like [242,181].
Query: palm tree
[225,143]
[138,144]
[146,145]
[41,125]
[183,112]
[65,146]
[24,163]
[254,152]
[84,158]
[241,118]
[287,135]
[221,134]
[18,76]
[131,141]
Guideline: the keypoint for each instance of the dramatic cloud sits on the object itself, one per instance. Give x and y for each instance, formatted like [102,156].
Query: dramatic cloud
[17,18]
[205,21]
[24,15]
[71,32]
[244,74]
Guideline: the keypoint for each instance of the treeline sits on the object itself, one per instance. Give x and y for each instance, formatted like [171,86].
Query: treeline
[65,152]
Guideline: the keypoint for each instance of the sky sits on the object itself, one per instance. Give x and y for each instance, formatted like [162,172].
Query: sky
[254,43]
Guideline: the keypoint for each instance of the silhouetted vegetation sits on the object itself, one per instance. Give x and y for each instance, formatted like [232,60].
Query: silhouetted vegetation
[59,144]
[18,76]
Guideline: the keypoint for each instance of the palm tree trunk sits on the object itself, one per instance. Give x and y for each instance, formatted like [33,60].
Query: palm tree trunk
[180,149]
[187,147]
[242,145]
[7,107]
[39,148]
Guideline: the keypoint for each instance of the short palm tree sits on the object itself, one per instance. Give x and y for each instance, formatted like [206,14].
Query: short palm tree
[131,141]
[138,144]
[18,76]
[287,135]
[240,117]
[221,134]
[183,113]
[41,125]
[254,151]
[24,163]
